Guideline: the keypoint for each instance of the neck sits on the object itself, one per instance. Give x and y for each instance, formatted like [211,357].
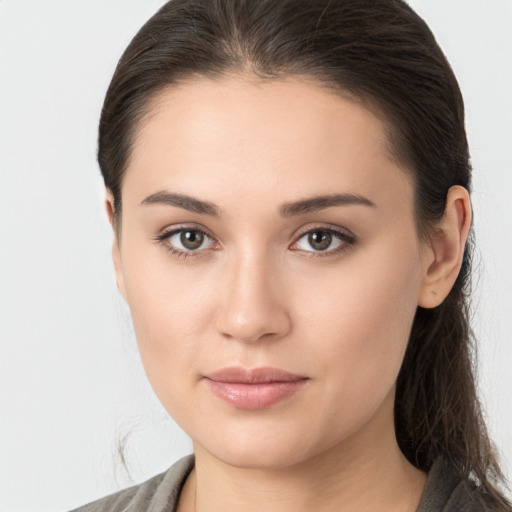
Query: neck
[367,472]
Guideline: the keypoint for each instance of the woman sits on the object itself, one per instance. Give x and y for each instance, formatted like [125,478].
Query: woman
[288,184]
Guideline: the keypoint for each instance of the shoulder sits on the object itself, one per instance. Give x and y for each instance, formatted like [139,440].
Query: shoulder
[467,497]
[445,491]
[158,494]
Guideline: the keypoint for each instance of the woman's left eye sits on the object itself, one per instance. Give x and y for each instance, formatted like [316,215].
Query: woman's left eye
[323,240]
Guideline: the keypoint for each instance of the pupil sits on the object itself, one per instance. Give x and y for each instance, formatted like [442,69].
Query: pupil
[320,240]
[191,239]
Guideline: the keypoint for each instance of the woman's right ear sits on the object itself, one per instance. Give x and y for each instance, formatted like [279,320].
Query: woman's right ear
[116,248]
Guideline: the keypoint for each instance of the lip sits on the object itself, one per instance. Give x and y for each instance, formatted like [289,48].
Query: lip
[253,389]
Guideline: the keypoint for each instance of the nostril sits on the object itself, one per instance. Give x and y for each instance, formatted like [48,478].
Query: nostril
[253,328]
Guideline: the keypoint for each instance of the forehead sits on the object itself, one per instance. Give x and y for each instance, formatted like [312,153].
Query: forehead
[253,136]
[202,109]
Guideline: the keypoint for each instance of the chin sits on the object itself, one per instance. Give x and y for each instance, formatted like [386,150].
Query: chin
[258,458]
[255,450]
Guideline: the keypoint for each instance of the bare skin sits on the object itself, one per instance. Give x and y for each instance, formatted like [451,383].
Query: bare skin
[258,291]
[333,481]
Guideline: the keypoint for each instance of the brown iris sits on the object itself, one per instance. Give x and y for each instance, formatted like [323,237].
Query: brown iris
[320,240]
[191,239]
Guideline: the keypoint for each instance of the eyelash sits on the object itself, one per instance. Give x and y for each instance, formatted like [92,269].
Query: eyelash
[346,239]
[164,236]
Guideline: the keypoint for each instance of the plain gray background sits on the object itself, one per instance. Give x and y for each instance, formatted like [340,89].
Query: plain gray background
[71,384]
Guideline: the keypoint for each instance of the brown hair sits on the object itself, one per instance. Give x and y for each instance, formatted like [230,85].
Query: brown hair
[383,53]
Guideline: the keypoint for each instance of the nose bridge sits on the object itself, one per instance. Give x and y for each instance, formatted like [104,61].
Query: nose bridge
[252,305]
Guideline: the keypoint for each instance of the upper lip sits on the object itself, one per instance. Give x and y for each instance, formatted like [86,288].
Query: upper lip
[253,376]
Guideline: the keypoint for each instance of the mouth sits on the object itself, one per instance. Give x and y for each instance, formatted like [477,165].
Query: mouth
[252,389]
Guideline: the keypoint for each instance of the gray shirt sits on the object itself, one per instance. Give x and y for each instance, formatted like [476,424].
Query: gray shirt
[444,492]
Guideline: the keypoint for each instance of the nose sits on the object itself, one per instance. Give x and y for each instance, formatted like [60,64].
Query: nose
[252,304]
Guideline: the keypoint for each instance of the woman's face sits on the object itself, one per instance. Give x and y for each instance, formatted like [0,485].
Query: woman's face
[266,227]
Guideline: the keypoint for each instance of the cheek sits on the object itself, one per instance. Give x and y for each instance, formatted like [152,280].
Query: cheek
[170,309]
[359,326]
[374,304]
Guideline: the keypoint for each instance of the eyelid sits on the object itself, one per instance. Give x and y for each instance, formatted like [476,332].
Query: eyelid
[165,234]
[344,235]
[324,227]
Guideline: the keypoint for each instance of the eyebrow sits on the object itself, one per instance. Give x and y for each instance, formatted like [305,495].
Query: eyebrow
[291,209]
[183,201]
[318,203]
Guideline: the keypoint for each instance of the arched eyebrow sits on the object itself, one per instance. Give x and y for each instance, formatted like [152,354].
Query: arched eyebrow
[183,201]
[318,203]
[312,204]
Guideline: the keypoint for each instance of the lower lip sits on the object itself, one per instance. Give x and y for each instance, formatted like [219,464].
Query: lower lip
[254,396]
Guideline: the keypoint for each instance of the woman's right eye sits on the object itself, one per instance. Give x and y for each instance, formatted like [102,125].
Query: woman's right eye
[186,241]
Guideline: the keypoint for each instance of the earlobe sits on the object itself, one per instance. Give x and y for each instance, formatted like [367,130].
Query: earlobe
[446,249]
[116,250]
